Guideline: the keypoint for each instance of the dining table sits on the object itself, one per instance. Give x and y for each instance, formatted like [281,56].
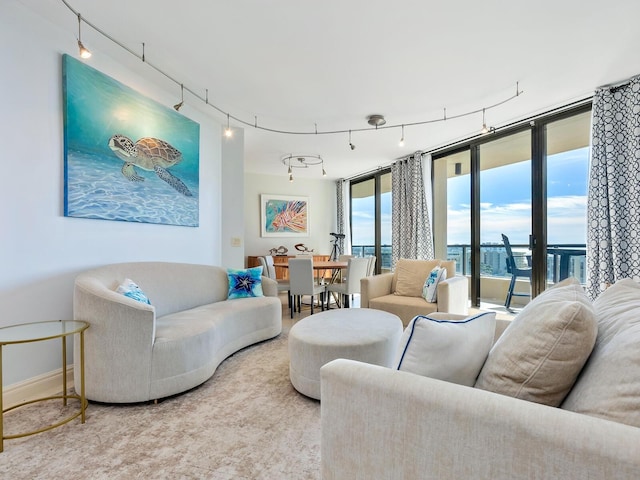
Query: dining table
[320,267]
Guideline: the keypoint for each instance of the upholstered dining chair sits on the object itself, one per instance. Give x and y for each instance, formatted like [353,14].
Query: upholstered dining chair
[302,282]
[357,268]
[372,266]
[516,270]
[269,270]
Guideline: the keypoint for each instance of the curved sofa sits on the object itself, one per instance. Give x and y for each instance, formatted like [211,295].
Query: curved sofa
[136,352]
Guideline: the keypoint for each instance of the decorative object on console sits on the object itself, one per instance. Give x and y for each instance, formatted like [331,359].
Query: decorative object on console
[446,346]
[284,216]
[150,139]
[279,251]
[302,248]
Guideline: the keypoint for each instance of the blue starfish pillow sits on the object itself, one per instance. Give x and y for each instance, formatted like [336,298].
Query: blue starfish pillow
[245,283]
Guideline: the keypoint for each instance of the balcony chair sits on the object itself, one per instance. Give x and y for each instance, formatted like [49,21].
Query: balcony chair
[269,270]
[302,282]
[516,271]
[357,269]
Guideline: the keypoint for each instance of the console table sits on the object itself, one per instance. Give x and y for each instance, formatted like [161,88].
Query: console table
[37,332]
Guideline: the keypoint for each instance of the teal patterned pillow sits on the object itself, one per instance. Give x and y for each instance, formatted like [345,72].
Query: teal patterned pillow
[245,283]
[130,289]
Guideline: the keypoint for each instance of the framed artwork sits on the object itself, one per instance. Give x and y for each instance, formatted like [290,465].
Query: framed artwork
[284,216]
[126,157]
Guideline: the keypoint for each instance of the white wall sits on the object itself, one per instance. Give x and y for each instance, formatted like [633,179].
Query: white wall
[41,250]
[322,212]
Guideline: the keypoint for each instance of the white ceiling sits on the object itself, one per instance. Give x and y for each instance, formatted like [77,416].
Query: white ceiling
[300,65]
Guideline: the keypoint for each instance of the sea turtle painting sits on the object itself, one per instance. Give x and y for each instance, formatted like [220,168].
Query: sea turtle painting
[151,154]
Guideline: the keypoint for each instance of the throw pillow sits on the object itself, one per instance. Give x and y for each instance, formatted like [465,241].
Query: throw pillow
[130,289]
[411,274]
[430,287]
[609,385]
[245,283]
[539,356]
[446,349]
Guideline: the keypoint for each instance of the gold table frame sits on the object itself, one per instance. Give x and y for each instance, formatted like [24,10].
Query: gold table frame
[37,332]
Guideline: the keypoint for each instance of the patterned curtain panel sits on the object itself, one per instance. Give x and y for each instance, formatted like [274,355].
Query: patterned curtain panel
[341,209]
[613,210]
[411,228]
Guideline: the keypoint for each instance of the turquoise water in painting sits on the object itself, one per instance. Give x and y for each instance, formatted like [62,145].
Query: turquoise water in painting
[96,108]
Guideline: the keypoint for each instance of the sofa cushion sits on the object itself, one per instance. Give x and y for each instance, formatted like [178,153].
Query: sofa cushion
[130,289]
[446,347]
[430,287]
[609,385]
[410,276]
[404,307]
[541,353]
[245,283]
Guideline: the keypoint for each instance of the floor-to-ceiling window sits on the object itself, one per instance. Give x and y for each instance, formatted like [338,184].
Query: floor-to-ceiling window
[528,183]
[371,218]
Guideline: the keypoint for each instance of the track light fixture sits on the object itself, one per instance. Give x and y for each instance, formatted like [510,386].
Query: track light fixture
[486,129]
[227,131]
[84,51]
[375,121]
[401,143]
[178,106]
[303,161]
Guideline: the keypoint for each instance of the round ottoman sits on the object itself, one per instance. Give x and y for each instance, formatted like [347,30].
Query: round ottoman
[362,334]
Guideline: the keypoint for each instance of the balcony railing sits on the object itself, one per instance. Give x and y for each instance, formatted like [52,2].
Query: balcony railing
[493,259]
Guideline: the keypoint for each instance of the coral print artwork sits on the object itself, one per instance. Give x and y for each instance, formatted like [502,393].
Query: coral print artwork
[284,216]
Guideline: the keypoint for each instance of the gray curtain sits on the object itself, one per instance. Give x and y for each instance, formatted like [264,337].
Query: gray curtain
[341,209]
[613,209]
[411,227]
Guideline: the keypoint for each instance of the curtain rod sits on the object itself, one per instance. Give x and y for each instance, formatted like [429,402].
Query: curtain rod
[619,84]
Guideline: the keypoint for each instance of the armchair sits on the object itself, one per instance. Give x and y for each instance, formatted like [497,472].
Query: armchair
[400,292]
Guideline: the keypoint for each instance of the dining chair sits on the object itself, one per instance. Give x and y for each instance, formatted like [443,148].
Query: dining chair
[357,268]
[372,266]
[302,282]
[269,270]
[516,270]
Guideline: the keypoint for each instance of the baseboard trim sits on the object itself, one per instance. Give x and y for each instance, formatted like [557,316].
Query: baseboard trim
[44,385]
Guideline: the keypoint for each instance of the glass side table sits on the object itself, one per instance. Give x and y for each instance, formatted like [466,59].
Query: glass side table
[37,332]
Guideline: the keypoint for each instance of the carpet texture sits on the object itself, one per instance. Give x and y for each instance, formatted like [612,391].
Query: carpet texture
[246,422]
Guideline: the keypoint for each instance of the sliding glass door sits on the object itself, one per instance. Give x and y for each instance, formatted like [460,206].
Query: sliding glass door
[371,218]
[528,184]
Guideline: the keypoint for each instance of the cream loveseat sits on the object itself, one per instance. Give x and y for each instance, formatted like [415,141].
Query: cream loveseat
[400,292]
[387,424]
[137,352]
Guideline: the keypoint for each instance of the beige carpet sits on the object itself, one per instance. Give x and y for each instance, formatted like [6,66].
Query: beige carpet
[246,422]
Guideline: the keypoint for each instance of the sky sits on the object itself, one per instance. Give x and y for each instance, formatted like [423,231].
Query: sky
[505,204]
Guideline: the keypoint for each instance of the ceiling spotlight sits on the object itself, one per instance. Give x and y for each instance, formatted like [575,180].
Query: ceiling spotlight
[402,138]
[228,132]
[324,173]
[376,120]
[84,51]
[178,106]
[485,129]
[351,145]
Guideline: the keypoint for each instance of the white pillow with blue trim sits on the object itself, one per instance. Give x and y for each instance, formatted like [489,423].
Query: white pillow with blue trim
[130,289]
[430,287]
[452,349]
